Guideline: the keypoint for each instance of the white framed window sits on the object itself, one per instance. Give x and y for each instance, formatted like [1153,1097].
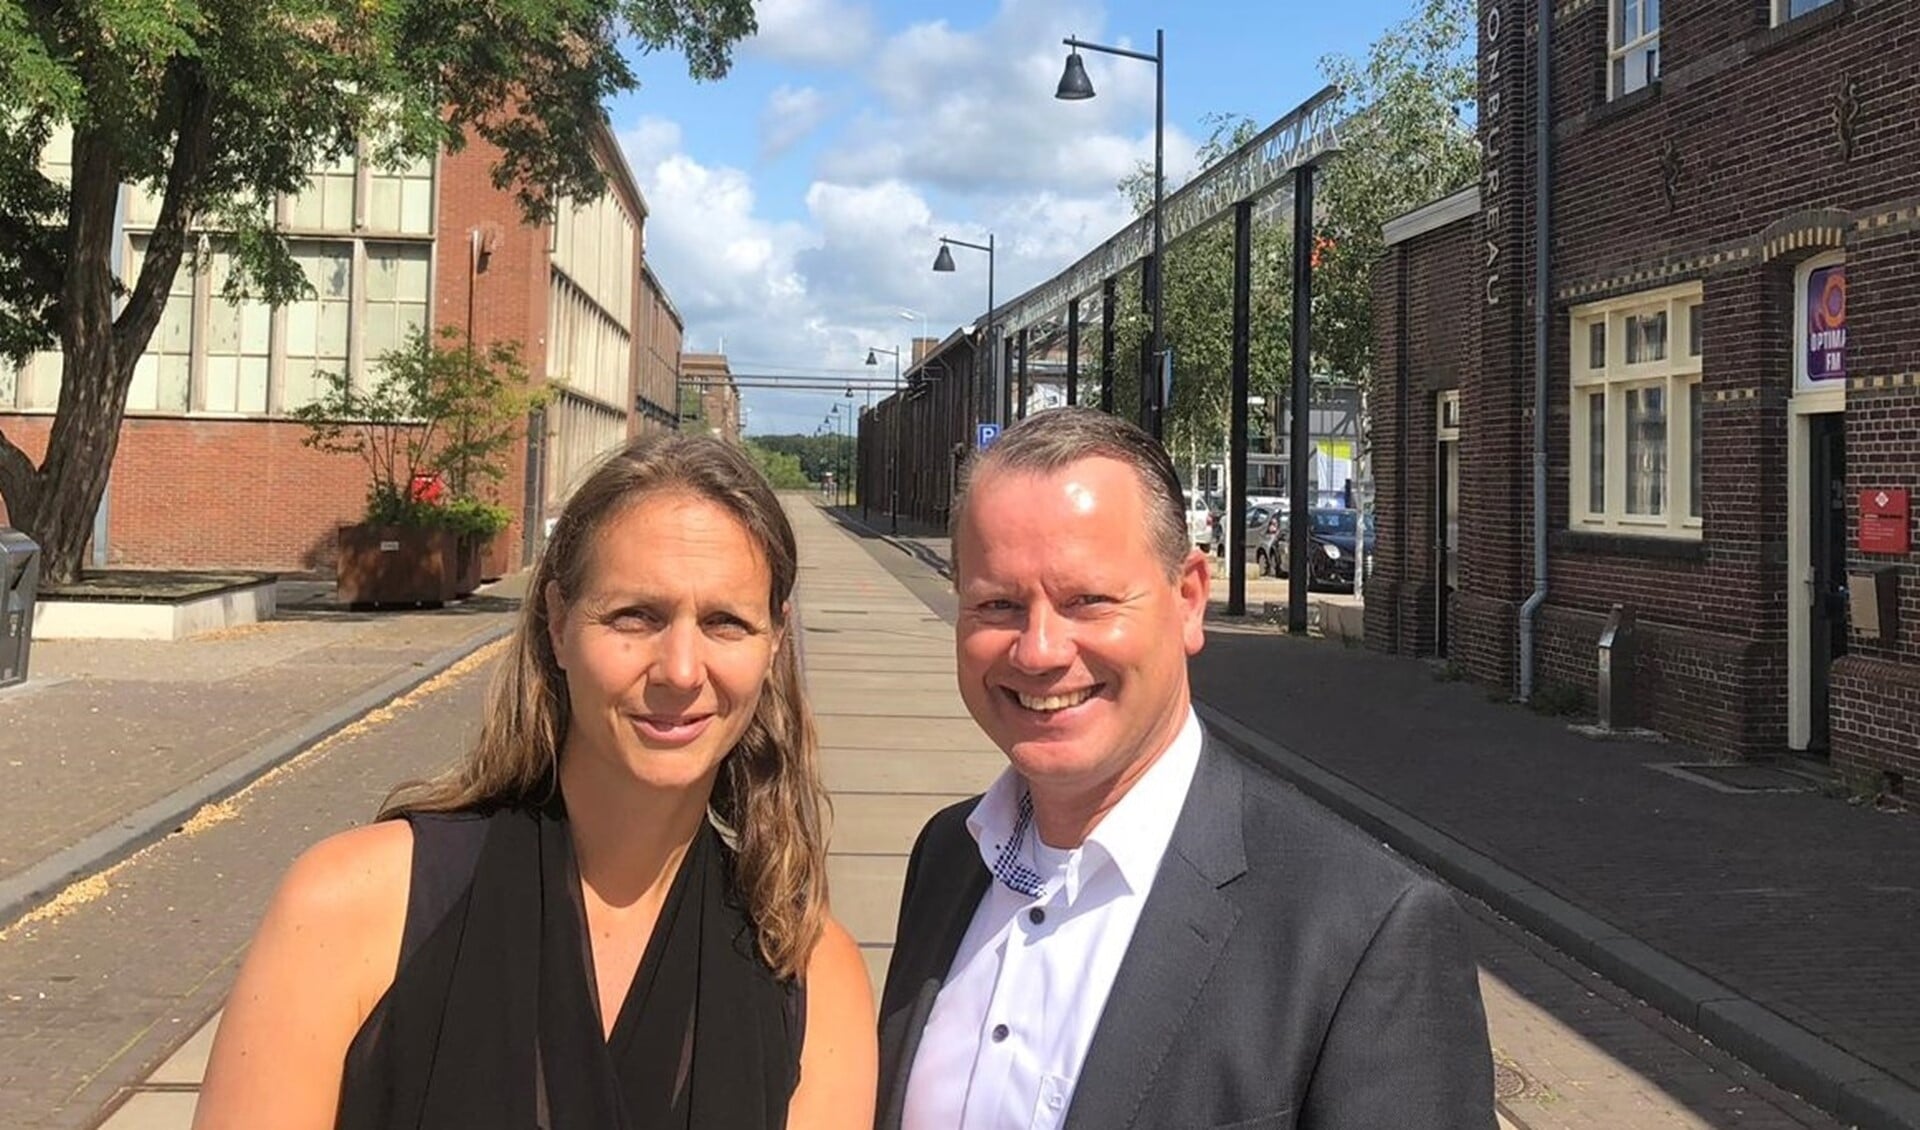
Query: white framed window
[1633,43]
[1784,10]
[1636,407]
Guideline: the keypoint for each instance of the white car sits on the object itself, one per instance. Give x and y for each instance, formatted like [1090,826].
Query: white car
[1200,515]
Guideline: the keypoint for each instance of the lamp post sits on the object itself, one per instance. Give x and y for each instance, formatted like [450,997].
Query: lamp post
[1076,87]
[944,262]
[893,436]
[846,452]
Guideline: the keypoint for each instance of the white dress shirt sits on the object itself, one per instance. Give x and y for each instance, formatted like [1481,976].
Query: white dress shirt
[1010,1029]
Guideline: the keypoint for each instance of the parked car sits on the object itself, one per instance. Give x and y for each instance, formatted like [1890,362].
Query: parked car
[1203,520]
[1331,544]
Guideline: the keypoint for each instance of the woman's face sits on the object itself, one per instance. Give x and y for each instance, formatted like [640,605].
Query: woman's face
[668,645]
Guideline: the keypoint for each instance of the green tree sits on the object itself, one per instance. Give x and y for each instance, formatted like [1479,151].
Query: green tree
[217,106]
[817,454]
[781,468]
[1407,140]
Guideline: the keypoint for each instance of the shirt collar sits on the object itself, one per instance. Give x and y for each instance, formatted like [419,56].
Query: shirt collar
[1133,835]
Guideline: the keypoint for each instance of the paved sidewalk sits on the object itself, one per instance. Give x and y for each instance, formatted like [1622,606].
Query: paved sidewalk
[1784,927]
[112,742]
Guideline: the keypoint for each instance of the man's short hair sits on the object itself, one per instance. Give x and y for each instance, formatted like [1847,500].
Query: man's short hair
[1050,440]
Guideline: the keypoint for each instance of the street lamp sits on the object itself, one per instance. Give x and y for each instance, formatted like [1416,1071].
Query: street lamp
[893,427]
[1076,87]
[944,262]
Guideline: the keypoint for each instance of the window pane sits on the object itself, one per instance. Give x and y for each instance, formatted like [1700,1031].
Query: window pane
[239,339]
[1597,452]
[1802,7]
[1695,433]
[1597,345]
[317,327]
[1694,330]
[1646,337]
[1646,451]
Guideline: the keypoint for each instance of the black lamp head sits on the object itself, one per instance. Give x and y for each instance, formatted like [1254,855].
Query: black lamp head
[871,359]
[944,260]
[1074,84]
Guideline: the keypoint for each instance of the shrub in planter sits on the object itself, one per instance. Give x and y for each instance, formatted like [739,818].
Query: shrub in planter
[432,430]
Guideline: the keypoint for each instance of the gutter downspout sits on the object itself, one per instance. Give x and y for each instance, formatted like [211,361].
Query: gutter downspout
[1542,260]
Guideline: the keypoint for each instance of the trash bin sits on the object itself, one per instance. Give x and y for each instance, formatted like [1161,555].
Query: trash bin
[19,585]
[1616,662]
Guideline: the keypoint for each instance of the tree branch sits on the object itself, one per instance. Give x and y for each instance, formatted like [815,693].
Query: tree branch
[191,143]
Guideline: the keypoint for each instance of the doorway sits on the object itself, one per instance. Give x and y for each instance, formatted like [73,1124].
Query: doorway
[1826,576]
[1446,514]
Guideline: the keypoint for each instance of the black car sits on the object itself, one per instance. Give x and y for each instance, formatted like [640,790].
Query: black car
[1330,547]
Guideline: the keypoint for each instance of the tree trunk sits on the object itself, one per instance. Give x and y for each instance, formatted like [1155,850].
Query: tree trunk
[55,504]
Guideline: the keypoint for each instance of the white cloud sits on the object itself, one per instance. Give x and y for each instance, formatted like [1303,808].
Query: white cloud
[817,33]
[974,110]
[791,114]
[957,133]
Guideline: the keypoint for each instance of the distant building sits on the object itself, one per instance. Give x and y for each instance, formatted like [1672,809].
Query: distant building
[210,472]
[709,400]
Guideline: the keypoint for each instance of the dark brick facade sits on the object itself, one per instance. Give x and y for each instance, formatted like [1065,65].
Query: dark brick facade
[1758,148]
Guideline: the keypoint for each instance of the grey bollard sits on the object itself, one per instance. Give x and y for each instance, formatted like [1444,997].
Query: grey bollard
[1618,708]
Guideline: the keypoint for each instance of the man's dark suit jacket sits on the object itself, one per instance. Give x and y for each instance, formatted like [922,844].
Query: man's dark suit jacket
[1286,972]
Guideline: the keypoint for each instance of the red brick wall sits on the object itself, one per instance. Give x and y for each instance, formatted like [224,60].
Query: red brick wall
[214,494]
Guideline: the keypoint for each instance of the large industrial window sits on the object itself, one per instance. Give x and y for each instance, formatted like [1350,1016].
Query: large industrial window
[1636,415]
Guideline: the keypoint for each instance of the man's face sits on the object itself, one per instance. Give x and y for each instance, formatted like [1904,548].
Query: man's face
[1072,640]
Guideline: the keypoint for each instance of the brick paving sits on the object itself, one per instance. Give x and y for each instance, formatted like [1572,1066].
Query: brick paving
[108,726]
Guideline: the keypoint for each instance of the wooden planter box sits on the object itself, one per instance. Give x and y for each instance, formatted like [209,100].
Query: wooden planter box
[500,555]
[471,553]
[396,565]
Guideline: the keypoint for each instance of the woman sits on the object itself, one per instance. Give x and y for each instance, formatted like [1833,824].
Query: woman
[613,913]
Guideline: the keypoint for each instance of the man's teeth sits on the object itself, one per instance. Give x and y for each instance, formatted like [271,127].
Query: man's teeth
[1054,701]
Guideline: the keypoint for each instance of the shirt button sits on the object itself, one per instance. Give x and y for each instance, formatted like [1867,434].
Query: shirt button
[1000,1032]
[1036,916]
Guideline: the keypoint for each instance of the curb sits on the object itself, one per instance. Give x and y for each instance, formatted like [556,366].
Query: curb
[1822,1073]
[151,822]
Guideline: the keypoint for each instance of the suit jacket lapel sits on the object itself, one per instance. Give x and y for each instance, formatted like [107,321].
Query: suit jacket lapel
[958,885]
[1182,929]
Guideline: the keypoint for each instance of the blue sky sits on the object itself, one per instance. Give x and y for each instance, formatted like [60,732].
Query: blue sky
[796,204]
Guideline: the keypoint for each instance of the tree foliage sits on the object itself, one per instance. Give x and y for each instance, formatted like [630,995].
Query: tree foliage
[215,107]
[817,454]
[781,468]
[1406,141]
[449,411]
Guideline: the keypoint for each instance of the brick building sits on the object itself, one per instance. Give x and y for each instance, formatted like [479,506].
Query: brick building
[709,400]
[210,473]
[1725,176]
[915,441]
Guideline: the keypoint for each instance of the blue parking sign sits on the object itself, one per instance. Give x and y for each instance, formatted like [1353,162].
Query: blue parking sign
[984,435]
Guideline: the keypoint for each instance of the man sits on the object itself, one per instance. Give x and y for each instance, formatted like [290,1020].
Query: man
[1134,926]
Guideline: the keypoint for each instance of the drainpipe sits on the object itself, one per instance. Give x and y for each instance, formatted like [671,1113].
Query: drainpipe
[1542,260]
